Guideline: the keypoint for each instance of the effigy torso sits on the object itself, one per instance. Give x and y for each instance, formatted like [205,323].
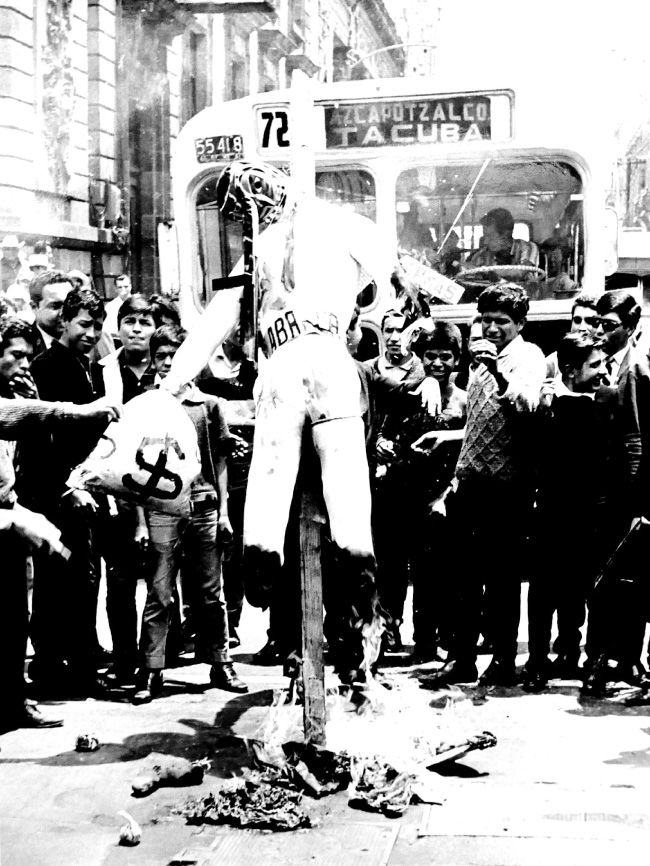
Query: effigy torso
[310,271]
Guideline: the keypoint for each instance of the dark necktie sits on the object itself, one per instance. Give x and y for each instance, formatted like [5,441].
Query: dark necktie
[609,377]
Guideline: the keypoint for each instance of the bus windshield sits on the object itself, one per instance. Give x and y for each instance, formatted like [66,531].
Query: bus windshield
[443,216]
[496,218]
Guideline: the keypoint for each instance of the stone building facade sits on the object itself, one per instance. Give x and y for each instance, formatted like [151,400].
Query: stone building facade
[94,93]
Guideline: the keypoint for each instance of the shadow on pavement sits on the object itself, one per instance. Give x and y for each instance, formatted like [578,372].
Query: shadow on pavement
[618,700]
[639,759]
[215,742]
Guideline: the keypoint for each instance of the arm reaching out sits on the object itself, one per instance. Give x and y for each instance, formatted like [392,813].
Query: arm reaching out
[35,529]
[217,322]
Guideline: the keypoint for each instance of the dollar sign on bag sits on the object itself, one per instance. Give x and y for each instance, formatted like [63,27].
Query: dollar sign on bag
[158,470]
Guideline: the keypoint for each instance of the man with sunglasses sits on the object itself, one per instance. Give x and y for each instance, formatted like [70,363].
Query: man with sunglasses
[584,320]
[628,384]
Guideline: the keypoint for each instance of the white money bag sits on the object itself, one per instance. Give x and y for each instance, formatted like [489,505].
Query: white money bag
[150,456]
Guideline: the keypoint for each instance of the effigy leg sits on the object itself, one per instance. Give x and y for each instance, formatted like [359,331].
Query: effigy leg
[271,482]
[340,445]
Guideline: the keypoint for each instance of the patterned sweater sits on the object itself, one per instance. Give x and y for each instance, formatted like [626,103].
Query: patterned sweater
[19,418]
[499,425]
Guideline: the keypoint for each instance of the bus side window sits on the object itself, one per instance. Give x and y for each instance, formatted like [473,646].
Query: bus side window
[366,297]
[349,187]
[369,347]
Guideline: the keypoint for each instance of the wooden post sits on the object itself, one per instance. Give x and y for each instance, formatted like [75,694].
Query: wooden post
[313,670]
[303,170]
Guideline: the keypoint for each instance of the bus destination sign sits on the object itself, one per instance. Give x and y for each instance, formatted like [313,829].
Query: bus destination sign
[428,120]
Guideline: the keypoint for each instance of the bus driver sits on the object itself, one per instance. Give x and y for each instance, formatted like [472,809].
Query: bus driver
[498,247]
[312,258]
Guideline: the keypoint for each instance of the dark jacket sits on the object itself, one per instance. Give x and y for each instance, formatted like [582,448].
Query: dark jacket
[633,399]
[46,461]
[581,463]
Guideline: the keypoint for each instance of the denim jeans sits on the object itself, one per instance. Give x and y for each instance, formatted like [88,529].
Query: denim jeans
[196,539]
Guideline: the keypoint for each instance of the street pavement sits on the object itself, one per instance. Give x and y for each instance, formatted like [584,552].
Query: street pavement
[567,783]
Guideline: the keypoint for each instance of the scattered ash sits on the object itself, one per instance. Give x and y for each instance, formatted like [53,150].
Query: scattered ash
[380,787]
[306,767]
[244,803]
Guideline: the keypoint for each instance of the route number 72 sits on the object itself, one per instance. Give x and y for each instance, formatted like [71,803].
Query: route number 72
[276,124]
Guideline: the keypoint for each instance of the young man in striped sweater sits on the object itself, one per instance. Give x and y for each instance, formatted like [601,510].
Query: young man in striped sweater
[494,501]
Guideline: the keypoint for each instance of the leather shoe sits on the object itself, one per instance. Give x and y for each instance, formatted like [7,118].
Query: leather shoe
[534,681]
[224,677]
[499,673]
[595,683]
[29,717]
[116,678]
[634,674]
[150,686]
[566,668]
[425,654]
[453,673]
[269,654]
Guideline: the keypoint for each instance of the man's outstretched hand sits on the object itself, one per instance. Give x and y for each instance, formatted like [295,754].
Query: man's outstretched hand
[102,408]
[38,531]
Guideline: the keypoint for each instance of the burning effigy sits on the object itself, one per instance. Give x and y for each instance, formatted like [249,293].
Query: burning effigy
[381,746]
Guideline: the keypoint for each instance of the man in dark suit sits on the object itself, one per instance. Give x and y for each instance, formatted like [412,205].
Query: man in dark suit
[617,626]
[47,291]
[65,602]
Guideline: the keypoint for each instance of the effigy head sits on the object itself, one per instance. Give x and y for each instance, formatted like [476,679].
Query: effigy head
[259,181]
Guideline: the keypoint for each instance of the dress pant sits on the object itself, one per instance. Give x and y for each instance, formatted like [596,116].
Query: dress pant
[434,567]
[392,527]
[618,606]
[490,519]
[196,538]
[561,580]
[64,601]
[125,564]
[13,634]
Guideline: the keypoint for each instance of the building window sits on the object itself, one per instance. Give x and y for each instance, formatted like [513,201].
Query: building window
[238,80]
[194,84]
[298,16]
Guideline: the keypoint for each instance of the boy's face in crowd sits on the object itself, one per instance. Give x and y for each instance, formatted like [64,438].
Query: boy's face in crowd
[135,331]
[584,321]
[392,333]
[123,288]
[353,338]
[82,333]
[10,254]
[439,363]
[15,359]
[162,360]
[500,328]
[475,333]
[587,378]
[47,314]
[613,334]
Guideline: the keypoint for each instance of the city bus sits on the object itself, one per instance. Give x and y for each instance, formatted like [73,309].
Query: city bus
[426,160]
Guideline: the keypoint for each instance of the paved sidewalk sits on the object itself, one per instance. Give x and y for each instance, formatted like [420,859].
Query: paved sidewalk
[568,783]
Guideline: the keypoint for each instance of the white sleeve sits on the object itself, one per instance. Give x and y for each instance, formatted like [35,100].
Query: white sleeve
[219,319]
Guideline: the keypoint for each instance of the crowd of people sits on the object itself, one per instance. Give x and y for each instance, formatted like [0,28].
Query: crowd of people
[57,395]
[511,467]
[535,470]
